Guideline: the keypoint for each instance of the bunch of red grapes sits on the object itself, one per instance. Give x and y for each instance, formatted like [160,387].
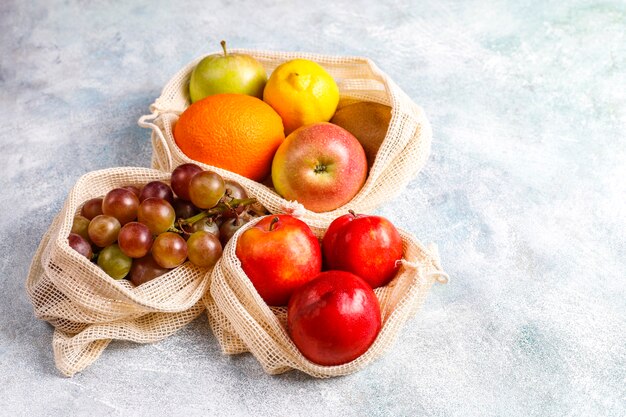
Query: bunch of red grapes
[141,233]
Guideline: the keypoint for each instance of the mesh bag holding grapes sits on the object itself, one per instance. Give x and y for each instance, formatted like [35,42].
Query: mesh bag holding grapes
[401,155]
[243,322]
[87,302]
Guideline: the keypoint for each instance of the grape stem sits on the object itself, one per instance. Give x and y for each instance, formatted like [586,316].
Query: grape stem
[220,208]
[176,230]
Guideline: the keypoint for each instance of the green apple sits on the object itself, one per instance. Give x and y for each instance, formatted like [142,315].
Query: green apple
[227,73]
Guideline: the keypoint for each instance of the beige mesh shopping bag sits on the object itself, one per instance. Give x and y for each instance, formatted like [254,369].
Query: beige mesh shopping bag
[243,322]
[87,307]
[402,154]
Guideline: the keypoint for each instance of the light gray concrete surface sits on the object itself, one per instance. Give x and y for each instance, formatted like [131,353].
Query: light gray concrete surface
[524,193]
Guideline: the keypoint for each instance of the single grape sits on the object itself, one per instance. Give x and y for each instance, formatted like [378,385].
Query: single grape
[229,227]
[157,214]
[184,209]
[92,208]
[206,225]
[145,269]
[80,226]
[135,239]
[157,189]
[234,190]
[206,188]
[169,250]
[103,230]
[80,245]
[181,176]
[204,249]
[113,261]
[121,204]
[133,189]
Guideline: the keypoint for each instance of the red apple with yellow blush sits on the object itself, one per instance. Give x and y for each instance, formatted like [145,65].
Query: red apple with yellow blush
[321,165]
[279,254]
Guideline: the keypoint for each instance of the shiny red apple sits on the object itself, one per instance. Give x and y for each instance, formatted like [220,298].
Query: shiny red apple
[368,246]
[334,318]
[279,254]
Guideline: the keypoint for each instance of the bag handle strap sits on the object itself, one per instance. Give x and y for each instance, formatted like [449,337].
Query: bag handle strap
[148,121]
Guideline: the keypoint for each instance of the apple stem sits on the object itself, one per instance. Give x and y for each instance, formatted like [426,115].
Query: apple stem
[319,168]
[353,213]
[223,43]
[273,222]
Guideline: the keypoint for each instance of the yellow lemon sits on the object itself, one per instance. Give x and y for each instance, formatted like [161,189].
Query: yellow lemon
[301,92]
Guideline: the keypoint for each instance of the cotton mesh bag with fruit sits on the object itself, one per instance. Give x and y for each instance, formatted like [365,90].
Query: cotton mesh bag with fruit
[129,257]
[347,93]
[325,309]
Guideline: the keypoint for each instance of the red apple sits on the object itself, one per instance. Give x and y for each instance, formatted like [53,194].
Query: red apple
[321,165]
[279,254]
[368,246]
[334,318]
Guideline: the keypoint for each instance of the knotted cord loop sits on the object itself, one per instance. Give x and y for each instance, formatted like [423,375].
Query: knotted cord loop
[432,256]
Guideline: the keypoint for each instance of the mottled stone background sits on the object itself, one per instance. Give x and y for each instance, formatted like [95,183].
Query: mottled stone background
[524,193]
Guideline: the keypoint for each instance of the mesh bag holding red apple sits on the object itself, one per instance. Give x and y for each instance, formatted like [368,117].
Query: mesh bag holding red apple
[393,160]
[270,297]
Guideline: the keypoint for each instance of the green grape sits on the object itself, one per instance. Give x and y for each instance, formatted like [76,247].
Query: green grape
[157,214]
[203,249]
[80,226]
[103,230]
[169,250]
[135,239]
[113,261]
[206,188]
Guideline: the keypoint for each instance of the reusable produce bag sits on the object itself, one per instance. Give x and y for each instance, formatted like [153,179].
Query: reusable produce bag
[243,322]
[402,154]
[87,307]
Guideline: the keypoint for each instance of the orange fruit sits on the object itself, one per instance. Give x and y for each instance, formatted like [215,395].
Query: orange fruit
[236,132]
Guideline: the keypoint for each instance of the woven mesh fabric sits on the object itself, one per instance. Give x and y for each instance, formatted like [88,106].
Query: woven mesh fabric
[401,155]
[87,307]
[243,322]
